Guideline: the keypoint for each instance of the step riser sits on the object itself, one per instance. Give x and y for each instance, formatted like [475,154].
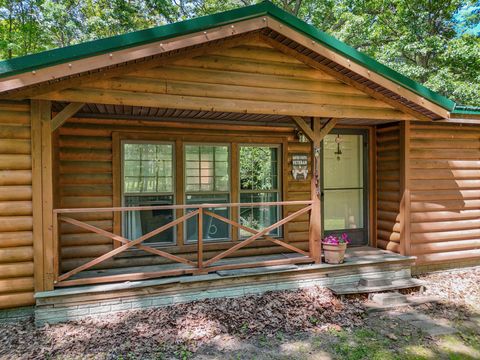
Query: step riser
[374,282]
[388,299]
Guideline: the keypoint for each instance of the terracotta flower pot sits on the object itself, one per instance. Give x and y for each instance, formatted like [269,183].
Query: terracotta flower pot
[334,254]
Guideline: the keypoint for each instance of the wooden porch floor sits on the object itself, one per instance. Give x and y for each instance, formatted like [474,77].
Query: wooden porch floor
[354,256]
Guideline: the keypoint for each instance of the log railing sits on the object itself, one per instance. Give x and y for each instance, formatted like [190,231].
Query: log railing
[191,267]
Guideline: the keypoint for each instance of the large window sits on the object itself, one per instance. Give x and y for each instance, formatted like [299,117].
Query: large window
[207,180]
[148,180]
[259,182]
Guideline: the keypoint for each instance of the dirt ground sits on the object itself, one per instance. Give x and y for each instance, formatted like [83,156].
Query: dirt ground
[304,324]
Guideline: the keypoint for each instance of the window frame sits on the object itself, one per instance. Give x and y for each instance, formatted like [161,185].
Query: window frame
[279,190]
[186,193]
[172,193]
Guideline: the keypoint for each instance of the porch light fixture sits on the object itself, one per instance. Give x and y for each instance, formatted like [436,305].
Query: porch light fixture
[338,140]
[301,136]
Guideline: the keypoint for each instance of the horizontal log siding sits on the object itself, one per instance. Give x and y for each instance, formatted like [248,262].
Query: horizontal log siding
[16,244]
[445,192]
[388,187]
[85,169]
[297,230]
[251,78]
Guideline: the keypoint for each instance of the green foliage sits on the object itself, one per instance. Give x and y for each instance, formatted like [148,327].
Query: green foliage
[426,40]
[257,168]
[29,26]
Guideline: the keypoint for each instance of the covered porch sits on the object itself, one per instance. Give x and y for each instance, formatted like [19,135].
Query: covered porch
[209,103]
[95,238]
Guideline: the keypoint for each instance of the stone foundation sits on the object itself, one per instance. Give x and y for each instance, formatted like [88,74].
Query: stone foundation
[17,314]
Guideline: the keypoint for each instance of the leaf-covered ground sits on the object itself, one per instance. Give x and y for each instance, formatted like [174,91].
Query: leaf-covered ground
[303,324]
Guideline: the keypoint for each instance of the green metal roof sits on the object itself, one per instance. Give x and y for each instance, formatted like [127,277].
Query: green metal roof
[102,46]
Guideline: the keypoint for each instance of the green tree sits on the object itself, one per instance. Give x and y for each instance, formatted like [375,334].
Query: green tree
[21,32]
[427,40]
[417,38]
[62,21]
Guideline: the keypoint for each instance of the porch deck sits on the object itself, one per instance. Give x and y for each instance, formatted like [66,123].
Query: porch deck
[354,256]
[78,301]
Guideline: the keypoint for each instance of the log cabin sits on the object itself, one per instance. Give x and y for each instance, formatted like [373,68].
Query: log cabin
[175,162]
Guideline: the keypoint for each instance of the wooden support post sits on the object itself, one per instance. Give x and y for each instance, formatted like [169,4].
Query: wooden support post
[47,194]
[56,247]
[45,253]
[315,229]
[37,213]
[200,239]
[405,246]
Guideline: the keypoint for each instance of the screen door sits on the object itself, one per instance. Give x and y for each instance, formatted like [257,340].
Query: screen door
[344,184]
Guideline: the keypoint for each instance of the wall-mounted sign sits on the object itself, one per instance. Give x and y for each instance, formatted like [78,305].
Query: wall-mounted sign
[300,166]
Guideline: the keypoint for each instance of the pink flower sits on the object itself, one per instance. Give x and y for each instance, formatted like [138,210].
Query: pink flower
[336,240]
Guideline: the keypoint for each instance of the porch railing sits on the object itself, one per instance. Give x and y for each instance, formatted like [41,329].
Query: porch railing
[199,266]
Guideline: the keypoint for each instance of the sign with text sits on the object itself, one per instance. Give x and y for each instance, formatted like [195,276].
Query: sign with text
[300,166]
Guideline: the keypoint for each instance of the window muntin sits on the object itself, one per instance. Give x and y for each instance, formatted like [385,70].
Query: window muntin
[207,180]
[259,182]
[147,168]
[207,168]
[148,180]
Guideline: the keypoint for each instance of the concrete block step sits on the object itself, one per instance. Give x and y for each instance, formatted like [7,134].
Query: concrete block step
[389,298]
[373,307]
[374,282]
[358,288]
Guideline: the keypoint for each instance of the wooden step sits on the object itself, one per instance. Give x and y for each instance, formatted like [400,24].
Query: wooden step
[358,288]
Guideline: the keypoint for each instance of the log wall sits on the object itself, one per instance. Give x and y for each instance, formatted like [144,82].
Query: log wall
[16,244]
[85,151]
[445,192]
[388,187]
[297,229]
[249,78]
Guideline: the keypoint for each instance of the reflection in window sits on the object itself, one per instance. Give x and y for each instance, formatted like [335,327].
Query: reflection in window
[343,183]
[148,168]
[148,181]
[343,209]
[259,183]
[207,181]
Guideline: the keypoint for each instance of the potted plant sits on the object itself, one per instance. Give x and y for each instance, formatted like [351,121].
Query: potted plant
[334,248]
